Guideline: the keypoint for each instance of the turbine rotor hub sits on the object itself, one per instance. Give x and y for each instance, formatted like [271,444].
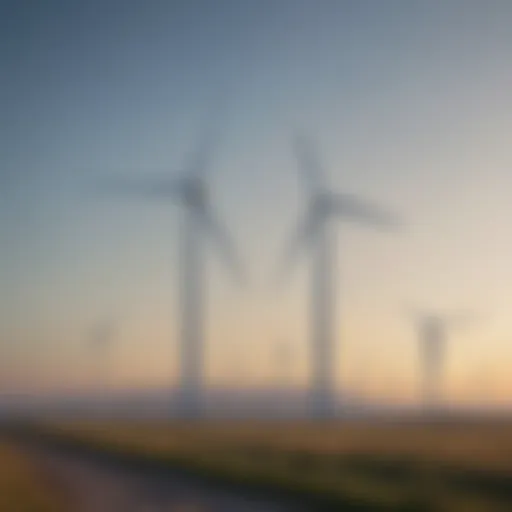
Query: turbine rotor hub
[433,328]
[194,193]
[321,203]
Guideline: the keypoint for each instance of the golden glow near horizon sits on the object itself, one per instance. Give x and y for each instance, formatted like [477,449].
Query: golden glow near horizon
[373,364]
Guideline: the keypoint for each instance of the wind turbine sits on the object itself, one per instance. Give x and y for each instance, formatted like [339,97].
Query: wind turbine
[284,360]
[190,191]
[99,340]
[315,232]
[433,335]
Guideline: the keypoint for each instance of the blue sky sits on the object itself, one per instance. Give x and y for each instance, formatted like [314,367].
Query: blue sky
[409,102]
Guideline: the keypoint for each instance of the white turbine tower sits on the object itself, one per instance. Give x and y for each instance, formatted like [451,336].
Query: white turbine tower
[100,341]
[315,232]
[190,191]
[284,363]
[432,331]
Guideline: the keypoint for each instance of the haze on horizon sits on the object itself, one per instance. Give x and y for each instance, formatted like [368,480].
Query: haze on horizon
[410,104]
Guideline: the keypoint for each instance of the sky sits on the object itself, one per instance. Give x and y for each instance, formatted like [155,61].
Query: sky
[409,106]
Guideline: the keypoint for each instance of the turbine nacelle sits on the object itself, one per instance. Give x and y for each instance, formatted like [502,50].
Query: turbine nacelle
[439,323]
[321,204]
[193,193]
[189,190]
[325,205]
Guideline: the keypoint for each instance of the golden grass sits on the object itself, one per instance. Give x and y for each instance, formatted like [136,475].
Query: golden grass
[22,487]
[483,446]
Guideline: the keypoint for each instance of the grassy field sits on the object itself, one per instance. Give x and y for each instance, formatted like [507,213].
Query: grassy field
[393,466]
[22,487]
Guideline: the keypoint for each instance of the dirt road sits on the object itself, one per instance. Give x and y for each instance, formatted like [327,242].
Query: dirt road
[93,486]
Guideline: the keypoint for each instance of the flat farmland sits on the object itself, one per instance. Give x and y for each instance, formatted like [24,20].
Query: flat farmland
[456,465]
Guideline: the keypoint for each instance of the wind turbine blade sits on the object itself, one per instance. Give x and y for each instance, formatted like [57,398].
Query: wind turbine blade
[219,234]
[309,164]
[351,207]
[301,239]
[198,161]
[460,319]
[152,187]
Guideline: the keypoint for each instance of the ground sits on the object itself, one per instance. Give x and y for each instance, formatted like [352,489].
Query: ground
[25,487]
[380,465]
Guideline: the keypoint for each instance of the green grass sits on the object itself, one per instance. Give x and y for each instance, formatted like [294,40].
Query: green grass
[452,467]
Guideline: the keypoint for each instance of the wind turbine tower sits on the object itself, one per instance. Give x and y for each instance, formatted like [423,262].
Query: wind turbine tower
[284,360]
[101,338]
[100,341]
[316,232]
[433,335]
[198,223]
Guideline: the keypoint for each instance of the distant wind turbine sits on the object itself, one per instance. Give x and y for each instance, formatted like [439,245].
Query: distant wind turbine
[190,191]
[284,359]
[432,330]
[315,232]
[100,339]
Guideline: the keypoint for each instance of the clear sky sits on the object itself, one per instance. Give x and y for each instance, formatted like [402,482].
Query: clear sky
[410,104]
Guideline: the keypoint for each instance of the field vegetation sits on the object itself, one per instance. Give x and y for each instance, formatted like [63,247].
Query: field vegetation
[458,466]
